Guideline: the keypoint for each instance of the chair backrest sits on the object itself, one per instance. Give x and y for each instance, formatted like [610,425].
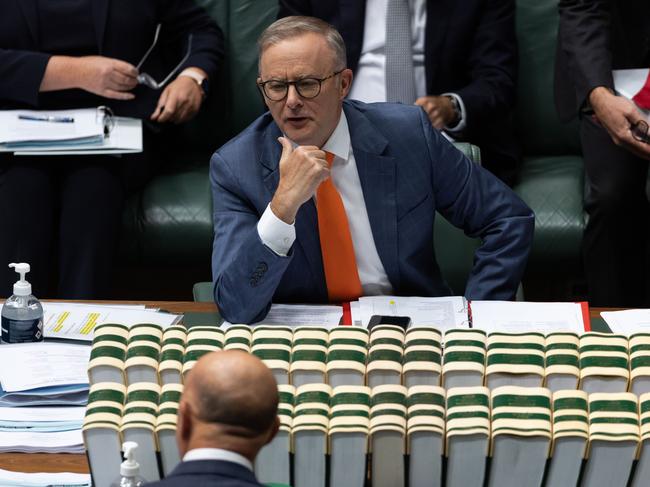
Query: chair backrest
[539,129]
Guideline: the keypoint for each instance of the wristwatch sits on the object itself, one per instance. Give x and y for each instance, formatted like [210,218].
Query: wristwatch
[457,113]
[201,80]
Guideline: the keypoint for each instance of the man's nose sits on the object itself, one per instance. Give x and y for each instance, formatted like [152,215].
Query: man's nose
[294,100]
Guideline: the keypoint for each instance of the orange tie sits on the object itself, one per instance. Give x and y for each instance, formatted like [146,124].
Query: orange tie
[341,274]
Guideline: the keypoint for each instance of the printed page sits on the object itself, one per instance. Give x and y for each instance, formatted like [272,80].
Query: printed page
[44,479]
[300,315]
[524,317]
[442,312]
[628,322]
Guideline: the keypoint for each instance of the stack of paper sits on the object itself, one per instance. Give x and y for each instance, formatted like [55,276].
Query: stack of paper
[44,374]
[642,471]
[348,435]
[45,479]
[139,424]
[238,337]
[143,353]
[385,355]
[525,317]
[347,355]
[640,363]
[309,431]
[201,340]
[613,439]
[41,419]
[101,431]
[273,462]
[422,357]
[442,313]
[628,322]
[387,435]
[570,435]
[309,355]
[272,345]
[521,436]
[426,431]
[604,362]
[464,358]
[75,321]
[170,396]
[467,435]
[515,359]
[292,315]
[628,82]
[562,361]
[170,368]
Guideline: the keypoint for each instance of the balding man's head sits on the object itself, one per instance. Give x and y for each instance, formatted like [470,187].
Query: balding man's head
[230,401]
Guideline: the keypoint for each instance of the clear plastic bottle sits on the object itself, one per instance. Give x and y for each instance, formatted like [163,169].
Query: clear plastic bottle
[129,469]
[22,313]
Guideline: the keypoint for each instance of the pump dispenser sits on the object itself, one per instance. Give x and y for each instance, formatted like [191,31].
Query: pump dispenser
[130,468]
[22,313]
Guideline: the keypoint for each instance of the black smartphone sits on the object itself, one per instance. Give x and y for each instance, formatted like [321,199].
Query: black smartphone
[401,321]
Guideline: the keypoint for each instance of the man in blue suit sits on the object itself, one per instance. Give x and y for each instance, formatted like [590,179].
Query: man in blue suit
[393,171]
[222,425]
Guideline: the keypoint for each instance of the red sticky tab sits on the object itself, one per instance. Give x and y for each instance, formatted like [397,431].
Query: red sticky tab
[642,98]
[347,315]
[586,319]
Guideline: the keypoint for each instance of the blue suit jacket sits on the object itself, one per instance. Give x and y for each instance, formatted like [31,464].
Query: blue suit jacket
[209,473]
[407,172]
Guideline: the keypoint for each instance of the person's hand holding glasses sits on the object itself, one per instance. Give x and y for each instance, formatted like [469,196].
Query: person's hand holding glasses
[148,80]
[640,131]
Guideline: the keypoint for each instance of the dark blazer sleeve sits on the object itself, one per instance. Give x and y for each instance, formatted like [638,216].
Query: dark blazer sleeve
[21,73]
[584,37]
[181,17]
[492,64]
[246,273]
[473,199]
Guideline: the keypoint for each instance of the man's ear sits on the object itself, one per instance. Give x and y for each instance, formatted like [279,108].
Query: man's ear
[273,430]
[346,82]
[183,427]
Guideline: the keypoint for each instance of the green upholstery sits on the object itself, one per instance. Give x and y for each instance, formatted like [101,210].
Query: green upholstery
[202,292]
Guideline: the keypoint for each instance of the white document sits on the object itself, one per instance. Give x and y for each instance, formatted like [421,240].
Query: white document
[628,322]
[78,322]
[125,138]
[26,366]
[42,414]
[87,126]
[628,82]
[441,312]
[293,315]
[43,479]
[56,442]
[526,317]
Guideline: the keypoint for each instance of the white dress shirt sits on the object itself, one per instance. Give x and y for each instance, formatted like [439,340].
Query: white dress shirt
[217,454]
[369,83]
[279,236]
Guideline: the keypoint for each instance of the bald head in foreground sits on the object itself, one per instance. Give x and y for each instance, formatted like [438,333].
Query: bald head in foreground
[227,413]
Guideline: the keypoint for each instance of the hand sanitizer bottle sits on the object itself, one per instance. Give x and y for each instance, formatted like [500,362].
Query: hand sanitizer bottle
[22,313]
[130,469]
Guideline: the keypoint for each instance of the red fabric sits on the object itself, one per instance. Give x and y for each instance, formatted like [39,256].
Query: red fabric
[642,98]
[339,262]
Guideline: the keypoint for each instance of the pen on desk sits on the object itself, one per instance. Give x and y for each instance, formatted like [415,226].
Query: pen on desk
[46,118]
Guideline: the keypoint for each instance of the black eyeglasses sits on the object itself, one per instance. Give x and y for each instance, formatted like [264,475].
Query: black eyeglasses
[148,80]
[640,131]
[276,90]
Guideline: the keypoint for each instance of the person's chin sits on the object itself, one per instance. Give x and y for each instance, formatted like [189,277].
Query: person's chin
[300,130]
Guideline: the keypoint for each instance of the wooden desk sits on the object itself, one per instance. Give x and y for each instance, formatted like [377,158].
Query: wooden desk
[62,462]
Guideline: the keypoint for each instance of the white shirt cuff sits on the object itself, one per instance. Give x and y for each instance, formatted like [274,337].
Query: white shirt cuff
[462,123]
[274,233]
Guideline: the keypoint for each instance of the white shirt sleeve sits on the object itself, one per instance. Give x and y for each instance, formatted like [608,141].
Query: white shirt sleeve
[462,122]
[274,233]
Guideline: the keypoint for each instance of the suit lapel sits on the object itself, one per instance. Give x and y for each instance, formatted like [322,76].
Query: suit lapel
[100,16]
[30,12]
[306,219]
[378,182]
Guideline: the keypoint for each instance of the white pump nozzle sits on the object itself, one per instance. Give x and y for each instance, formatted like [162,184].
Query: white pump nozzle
[22,287]
[129,467]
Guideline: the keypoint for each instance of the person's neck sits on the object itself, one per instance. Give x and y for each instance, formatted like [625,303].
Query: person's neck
[235,445]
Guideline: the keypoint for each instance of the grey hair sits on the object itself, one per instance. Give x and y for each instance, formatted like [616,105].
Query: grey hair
[296,26]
